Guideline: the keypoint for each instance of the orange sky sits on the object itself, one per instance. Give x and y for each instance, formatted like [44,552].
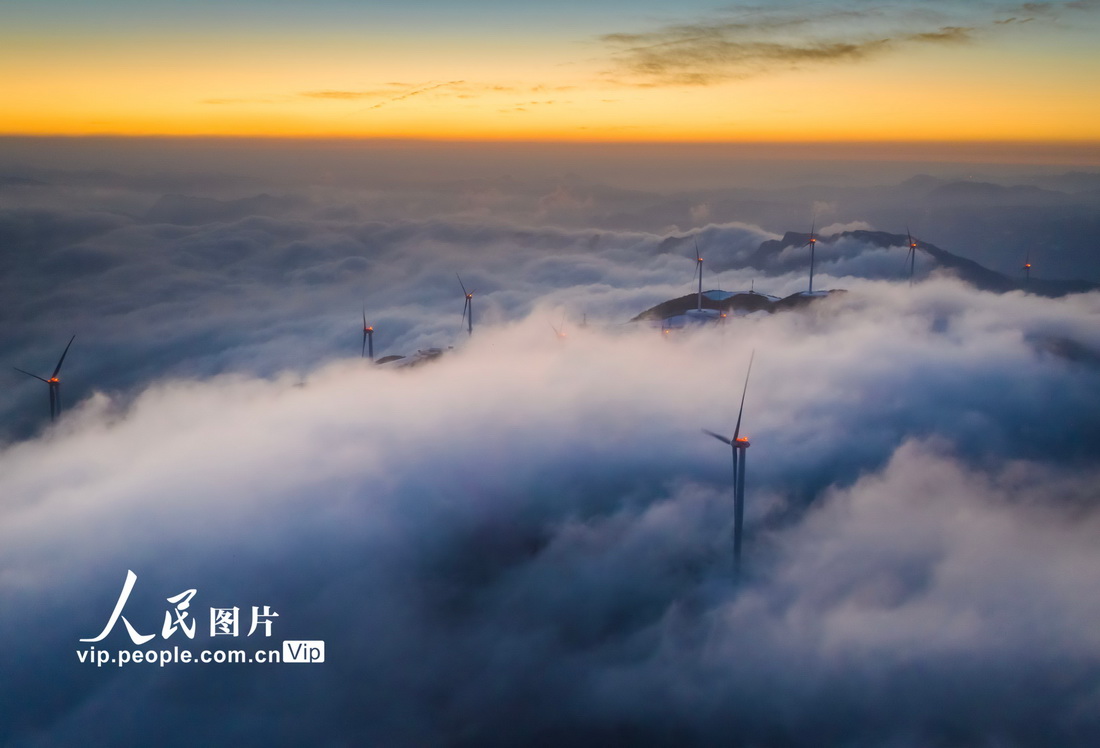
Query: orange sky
[517,80]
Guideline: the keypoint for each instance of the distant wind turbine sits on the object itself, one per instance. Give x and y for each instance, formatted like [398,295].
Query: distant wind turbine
[911,257]
[699,314]
[1027,269]
[368,337]
[739,445]
[699,272]
[54,383]
[559,330]
[812,244]
[468,307]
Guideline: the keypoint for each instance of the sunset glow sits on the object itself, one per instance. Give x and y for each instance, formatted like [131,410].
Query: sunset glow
[822,71]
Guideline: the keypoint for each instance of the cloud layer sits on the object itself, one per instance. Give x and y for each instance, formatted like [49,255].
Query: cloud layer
[527,541]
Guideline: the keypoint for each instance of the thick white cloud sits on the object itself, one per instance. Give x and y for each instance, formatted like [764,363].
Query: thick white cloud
[541,526]
[527,541]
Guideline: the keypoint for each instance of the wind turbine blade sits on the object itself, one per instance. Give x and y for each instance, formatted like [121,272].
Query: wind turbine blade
[460,282]
[62,359]
[40,379]
[698,269]
[719,437]
[465,307]
[737,428]
[364,353]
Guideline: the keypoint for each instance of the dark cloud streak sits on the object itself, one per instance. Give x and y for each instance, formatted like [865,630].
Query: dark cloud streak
[761,42]
[416,92]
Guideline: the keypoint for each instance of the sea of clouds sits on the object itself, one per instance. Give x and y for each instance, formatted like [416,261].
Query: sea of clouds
[527,542]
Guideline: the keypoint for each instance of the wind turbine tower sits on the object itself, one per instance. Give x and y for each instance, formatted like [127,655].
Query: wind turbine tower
[740,445]
[1027,269]
[368,337]
[468,307]
[54,383]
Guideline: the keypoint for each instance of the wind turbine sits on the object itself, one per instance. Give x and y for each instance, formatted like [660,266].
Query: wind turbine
[1027,269]
[699,272]
[468,307]
[53,382]
[368,337]
[559,330]
[739,444]
[812,243]
[699,314]
[911,257]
